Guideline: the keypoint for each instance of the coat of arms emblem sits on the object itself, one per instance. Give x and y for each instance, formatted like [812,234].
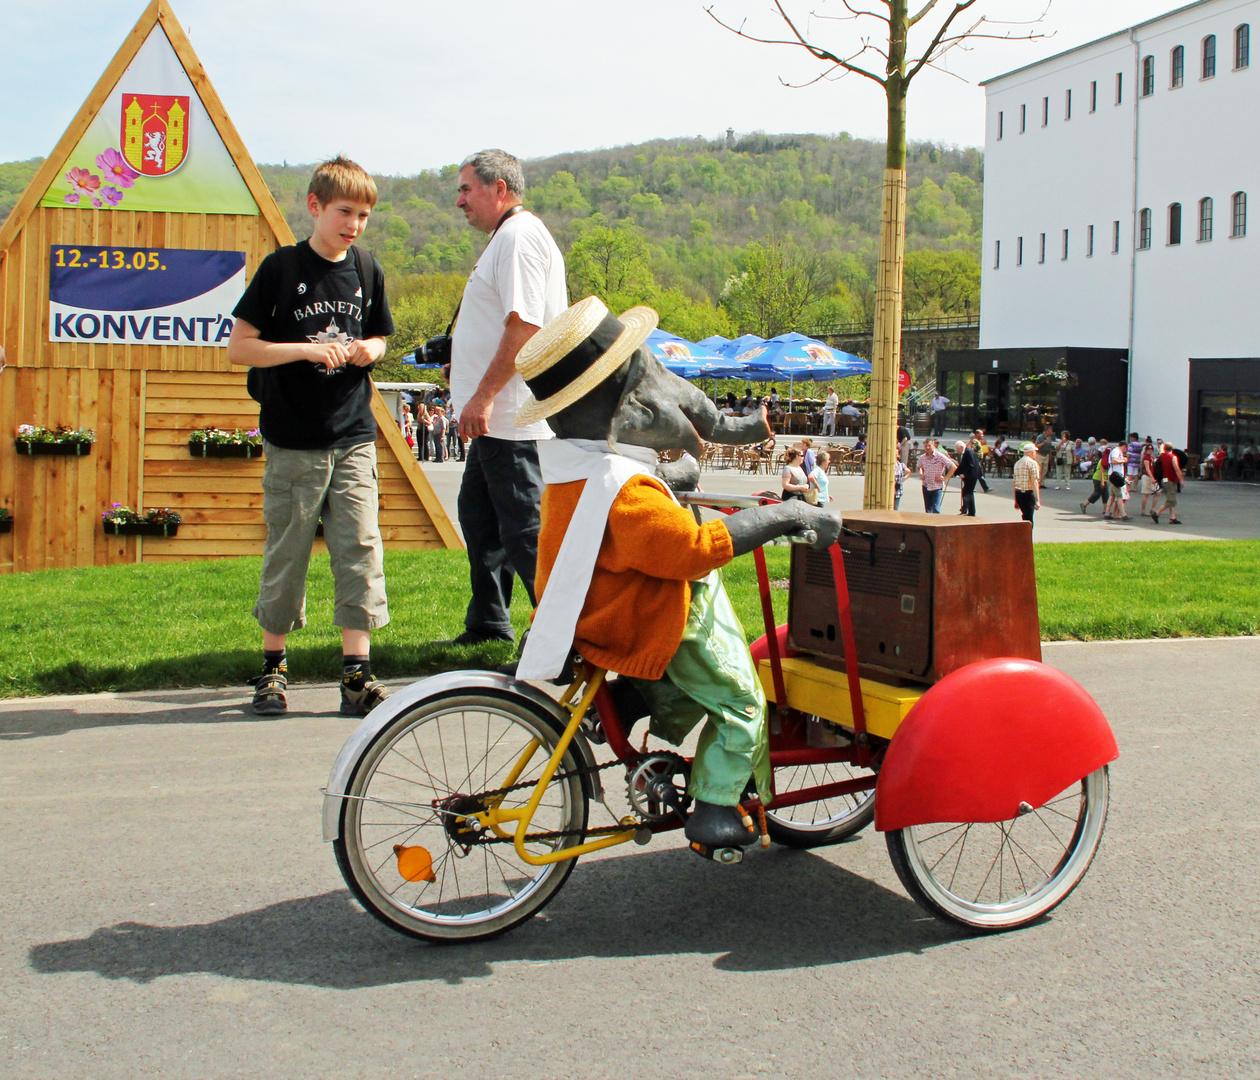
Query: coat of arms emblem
[154,132]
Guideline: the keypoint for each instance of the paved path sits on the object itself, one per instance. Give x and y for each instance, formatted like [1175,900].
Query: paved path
[1212,511]
[168,910]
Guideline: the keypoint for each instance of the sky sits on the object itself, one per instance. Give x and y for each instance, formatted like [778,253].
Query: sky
[406,85]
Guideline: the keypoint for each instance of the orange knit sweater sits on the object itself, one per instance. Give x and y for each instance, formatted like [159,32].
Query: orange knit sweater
[636,607]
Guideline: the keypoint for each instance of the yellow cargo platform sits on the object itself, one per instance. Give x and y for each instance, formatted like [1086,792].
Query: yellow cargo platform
[825,692]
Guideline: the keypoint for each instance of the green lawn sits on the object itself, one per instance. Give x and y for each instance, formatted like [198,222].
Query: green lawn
[189,624]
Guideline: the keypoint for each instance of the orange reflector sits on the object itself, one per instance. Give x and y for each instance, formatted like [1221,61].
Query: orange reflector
[414,863]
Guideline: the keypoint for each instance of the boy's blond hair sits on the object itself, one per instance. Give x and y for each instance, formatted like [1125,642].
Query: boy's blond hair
[341,178]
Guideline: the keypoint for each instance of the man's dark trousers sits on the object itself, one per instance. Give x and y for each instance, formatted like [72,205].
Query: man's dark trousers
[969,497]
[500,514]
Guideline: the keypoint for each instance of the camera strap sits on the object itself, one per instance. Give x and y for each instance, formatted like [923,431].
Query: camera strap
[512,211]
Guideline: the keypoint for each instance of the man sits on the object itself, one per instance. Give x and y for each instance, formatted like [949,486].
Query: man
[516,287]
[939,401]
[1044,448]
[829,411]
[1028,483]
[935,468]
[969,473]
[1171,478]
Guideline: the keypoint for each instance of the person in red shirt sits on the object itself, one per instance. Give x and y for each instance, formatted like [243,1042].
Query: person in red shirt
[1170,472]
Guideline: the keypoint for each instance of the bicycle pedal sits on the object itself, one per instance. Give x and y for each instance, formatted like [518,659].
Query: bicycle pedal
[727,856]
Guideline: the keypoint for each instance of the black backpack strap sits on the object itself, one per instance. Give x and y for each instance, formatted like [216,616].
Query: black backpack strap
[365,267]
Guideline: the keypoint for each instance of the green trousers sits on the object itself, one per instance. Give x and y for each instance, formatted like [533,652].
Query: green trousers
[712,675]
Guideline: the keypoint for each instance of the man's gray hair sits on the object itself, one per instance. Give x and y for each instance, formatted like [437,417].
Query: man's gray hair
[490,166]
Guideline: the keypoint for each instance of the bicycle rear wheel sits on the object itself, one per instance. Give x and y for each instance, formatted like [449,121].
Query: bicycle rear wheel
[1000,875]
[418,782]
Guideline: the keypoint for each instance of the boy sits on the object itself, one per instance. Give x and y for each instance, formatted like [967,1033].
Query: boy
[312,322]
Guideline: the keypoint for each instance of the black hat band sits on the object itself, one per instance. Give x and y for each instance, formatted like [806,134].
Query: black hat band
[578,360]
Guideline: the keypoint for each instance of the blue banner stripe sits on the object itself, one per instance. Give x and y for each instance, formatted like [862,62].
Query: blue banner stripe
[136,279]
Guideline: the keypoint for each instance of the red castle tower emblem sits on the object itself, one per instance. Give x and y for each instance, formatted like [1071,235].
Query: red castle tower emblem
[154,132]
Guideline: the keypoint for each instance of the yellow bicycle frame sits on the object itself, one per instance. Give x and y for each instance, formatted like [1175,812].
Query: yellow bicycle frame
[494,817]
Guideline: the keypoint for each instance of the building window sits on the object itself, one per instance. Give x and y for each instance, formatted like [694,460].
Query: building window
[1238,205]
[1178,66]
[1115,238]
[1042,257]
[1019,251]
[1065,246]
[1148,76]
[1242,46]
[999,125]
[1045,111]
[1209,56]
[1089,242]
[1205,220]
[997,254]
[1174,223]
[1023,119]
[1144,229]
[1119,87]
[1067,105]
[1093,96]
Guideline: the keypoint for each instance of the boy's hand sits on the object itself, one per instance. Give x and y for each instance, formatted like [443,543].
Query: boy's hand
[359,354]
[332,354]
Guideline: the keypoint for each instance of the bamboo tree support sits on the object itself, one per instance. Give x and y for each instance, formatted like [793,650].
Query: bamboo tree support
[881,449]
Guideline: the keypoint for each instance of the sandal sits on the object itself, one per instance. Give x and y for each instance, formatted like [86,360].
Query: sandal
[362,701]
[269,696]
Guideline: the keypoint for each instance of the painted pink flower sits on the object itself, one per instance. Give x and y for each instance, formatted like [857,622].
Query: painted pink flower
[111,195]
[116,169]
[82,183]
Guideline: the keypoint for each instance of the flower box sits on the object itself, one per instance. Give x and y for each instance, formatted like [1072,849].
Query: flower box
[223,450]
[140,528]
[77,449]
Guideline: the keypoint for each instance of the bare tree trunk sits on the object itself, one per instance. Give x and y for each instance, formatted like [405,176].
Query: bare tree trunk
[881,447]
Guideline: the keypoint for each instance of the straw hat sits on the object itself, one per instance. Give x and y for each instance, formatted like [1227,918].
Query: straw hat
[575,352]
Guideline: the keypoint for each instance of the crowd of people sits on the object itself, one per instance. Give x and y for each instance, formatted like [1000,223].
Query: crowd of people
[427,427]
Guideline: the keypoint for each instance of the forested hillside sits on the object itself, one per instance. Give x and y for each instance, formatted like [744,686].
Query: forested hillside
[758,234]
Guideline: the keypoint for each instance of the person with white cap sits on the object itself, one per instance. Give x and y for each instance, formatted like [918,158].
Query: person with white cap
[1028,483]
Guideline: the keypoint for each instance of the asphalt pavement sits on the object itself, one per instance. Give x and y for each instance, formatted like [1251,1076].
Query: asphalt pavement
[169,910]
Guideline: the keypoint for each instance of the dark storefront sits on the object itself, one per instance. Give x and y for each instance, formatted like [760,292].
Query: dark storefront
[986,389]
[1225,411]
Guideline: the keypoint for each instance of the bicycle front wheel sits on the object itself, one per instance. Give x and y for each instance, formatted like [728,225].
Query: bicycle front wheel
[1000,875]
[415,789]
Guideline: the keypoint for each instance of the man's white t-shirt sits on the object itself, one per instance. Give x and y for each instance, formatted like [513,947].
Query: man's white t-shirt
[521,270]
[829,406]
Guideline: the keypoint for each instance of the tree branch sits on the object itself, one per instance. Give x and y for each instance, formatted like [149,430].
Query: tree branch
[926,8]
[959,7]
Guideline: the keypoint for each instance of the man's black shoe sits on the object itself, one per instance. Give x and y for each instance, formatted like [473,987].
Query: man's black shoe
[474,637]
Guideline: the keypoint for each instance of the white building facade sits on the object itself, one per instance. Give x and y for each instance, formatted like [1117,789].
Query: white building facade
[1117,178]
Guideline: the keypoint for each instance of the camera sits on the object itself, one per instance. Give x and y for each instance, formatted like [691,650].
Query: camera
[436,351]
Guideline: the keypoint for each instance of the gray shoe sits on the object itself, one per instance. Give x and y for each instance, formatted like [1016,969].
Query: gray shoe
[362,701]
[269,694]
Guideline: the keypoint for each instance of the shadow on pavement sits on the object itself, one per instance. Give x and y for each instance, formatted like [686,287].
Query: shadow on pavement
[782,909]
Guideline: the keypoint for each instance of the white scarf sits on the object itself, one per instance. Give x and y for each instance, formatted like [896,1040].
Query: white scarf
[605,471]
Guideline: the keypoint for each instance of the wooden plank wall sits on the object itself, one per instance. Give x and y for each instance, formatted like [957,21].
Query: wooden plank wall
[220,499]
[56,502]
[24,281]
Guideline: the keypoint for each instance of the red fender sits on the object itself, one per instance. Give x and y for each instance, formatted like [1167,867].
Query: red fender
[986,738]
[760,648]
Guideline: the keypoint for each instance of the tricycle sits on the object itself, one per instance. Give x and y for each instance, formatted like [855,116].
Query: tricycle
[460,806]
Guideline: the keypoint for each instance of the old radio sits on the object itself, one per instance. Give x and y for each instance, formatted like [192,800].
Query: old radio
[928,594]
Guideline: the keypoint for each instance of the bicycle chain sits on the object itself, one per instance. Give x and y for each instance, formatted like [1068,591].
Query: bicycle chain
[599,830]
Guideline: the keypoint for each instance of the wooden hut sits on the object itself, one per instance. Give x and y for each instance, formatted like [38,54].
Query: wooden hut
[149,194]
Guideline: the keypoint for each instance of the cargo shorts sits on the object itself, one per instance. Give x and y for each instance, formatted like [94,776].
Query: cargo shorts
[300,487]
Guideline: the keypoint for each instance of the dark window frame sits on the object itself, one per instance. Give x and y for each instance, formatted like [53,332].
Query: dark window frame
[1089,241]
[1000,124]
[1042,257]
[1093,96]
[1174,224]
[1242,46]
[1148,76]
[1205,219]
[1238,215]
[1115,238]
[1144,229]
[1207,69]
[1119,87]
[1019,251]
[1177,67]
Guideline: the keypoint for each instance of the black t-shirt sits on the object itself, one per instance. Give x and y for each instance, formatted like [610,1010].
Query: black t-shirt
[303,406]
